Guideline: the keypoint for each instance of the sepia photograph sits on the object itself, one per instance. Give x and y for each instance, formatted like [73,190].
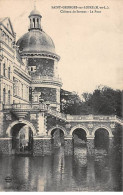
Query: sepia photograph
[61,96]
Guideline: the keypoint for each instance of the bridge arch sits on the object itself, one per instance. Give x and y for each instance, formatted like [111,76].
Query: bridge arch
[79,127]
[102,127]
[57,127]
[9,129]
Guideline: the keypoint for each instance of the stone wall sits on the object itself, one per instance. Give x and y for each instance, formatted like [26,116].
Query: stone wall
[68,147]
[5,146]
[44,67]
[41,147]
[90,146]
[47,147]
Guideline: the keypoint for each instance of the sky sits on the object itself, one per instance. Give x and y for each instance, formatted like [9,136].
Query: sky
[90,44]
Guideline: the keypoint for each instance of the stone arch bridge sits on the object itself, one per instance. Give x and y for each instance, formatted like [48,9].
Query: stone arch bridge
[42,121]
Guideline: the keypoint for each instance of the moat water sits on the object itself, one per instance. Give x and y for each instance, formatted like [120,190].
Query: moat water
[62,173]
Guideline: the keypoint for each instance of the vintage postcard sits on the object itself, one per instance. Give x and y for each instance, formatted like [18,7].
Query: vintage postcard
[61,89]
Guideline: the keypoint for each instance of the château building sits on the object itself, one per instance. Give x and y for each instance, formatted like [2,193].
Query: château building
[30,94]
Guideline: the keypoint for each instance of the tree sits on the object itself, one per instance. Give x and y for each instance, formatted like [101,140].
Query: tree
[70,102]
[103,101]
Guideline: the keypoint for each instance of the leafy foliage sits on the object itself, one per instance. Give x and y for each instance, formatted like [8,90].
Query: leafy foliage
[103,101]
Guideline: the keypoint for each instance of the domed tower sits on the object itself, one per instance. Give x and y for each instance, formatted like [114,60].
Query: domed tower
[39,50]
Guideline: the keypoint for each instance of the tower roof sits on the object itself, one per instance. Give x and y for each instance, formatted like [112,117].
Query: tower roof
[35,12]
[36,41]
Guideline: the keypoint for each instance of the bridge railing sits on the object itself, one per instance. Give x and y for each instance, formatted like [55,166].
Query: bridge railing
[76,117]
[104,117]
[90,117]
[56,113]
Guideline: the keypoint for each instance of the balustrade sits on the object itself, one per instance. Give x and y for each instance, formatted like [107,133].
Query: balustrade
[90,117]
[49,78]
[66,117]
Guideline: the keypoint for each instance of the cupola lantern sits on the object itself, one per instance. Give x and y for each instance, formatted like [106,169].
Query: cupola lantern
[35,19]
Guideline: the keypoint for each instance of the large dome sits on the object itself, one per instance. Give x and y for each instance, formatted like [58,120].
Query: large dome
[36,41]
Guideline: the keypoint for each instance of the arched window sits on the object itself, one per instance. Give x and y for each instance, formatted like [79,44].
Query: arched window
[34,22]
[4,95]
[9,72]
[4,70]
[9,97]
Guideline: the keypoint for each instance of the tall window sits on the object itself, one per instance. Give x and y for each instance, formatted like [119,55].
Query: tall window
[9,96]
[34,22]
[9,72]
[4,95]
[4,70]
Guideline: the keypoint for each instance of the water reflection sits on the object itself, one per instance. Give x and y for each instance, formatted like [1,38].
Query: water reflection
[60,173]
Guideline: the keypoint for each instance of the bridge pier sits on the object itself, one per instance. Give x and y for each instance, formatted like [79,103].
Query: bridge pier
[90,145]
[42,146]
[6,145]
[68,145]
